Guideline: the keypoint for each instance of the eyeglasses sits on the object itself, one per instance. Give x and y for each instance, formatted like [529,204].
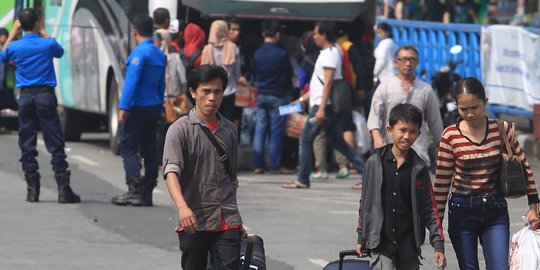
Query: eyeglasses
[413,60]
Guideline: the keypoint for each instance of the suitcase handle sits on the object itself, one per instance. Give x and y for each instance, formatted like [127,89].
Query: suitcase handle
[249,251]
[343,254]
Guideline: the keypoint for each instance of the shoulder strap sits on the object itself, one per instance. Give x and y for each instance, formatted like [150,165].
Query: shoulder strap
[195,55]
[222,155]
[504,137]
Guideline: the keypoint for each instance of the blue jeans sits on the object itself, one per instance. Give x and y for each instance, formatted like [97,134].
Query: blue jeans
[477,217]
[138,138]
[247,126]
[37,110]
[268,120]
[333,126]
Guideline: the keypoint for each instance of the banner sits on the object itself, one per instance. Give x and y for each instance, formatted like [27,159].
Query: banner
[511,66]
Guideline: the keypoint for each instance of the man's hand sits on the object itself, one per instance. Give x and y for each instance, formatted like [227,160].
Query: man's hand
[187,218]
[378,143]
[17,28]
[320,115]
[360,251]
[121,117]
[440,260]
[243,233]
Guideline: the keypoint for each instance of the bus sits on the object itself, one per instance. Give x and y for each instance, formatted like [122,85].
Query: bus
[97,39]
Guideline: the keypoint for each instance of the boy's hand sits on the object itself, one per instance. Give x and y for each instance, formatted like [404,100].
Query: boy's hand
[440,260]
[360,251]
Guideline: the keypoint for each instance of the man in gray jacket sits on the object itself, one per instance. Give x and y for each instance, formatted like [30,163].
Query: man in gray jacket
[398,202]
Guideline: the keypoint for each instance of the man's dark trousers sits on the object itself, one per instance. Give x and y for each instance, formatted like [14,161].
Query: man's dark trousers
[224,250]
[37,110]
[139,136]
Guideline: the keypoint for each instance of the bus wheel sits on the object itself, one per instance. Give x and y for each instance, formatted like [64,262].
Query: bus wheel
[114,134]
[71,121]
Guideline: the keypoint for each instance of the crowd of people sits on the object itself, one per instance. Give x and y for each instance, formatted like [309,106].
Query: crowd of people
[173,70]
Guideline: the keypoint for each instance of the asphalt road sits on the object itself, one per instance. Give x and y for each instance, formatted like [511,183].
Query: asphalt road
[302,229]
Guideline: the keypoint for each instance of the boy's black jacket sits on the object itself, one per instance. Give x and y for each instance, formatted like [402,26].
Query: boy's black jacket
[370,220]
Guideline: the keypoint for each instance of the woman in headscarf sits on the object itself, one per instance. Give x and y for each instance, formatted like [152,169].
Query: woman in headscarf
[194,38]
[221,51]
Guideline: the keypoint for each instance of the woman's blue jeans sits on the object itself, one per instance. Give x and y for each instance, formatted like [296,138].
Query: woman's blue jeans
[484,218]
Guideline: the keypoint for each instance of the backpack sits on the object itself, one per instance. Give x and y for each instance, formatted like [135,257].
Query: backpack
[189,61]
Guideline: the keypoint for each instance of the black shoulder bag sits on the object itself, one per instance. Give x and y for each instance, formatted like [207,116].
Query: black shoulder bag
[222,155]
[513,175]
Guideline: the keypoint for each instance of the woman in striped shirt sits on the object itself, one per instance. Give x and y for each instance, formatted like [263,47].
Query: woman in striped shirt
[468,164]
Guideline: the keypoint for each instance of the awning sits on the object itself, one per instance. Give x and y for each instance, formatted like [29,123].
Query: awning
[305,10]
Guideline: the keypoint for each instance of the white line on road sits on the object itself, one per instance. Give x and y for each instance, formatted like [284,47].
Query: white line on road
[84,160]
[344,212]
[319,262]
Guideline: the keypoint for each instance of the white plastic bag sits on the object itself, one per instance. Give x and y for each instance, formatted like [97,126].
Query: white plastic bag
[361,135]
[525,250]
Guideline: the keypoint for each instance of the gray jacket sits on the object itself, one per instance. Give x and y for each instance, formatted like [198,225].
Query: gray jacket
[371,212]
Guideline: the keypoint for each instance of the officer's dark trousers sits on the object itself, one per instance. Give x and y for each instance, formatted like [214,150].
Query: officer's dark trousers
[37,110]
[224,248]
[138,138]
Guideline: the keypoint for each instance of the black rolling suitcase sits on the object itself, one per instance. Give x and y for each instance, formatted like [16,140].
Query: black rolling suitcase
[252,253]
[348,264]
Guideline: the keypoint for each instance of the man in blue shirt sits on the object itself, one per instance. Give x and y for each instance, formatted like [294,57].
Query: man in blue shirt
[33,57]
[139,111]
[273,77]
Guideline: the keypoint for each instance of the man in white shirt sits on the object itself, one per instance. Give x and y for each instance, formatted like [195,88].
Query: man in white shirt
[405,88]
[322,117]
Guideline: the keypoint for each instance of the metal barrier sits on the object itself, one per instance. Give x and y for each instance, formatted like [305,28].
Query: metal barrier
[434,41]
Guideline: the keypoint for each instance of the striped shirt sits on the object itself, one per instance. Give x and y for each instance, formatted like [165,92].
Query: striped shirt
[473,167]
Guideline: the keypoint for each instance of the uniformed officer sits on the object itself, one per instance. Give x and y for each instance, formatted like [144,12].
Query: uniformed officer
[33,57]
[139,111]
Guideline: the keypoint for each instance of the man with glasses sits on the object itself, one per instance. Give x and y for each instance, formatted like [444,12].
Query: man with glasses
[404,87]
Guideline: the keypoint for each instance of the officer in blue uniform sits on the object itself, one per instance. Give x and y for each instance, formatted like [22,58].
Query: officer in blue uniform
[33,57]
[140,109]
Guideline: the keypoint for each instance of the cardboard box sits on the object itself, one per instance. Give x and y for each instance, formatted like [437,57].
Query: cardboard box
[295,124]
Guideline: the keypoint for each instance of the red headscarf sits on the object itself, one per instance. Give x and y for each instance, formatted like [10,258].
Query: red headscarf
[194,38]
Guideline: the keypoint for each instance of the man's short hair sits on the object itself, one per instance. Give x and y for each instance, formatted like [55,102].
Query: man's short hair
[161,15]
[270,28]
[144,25]
[28,18]
[4,32]
[405,112]
[329,29]
[406,48]
[207,73]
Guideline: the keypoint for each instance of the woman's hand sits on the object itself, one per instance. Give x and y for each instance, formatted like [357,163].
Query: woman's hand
[532,216]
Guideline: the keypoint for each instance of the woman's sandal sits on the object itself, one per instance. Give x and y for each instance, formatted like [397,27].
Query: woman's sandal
[294,184]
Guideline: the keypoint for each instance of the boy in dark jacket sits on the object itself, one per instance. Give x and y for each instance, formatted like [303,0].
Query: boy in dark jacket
[397,200]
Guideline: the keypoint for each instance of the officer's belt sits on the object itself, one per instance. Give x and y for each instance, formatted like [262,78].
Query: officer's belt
[37,89]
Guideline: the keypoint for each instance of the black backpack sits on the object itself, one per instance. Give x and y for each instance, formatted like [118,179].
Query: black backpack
[189,61]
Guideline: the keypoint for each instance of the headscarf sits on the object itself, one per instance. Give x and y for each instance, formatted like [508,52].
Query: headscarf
[194,38]
[218,37]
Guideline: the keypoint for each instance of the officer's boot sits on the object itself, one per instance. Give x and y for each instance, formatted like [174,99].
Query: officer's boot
[149,186]
[65,193]
[32,186]
[134,194]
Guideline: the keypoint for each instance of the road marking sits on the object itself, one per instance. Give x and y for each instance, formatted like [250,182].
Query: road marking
[344,212]
[40,142]
[84,160]
[319,262]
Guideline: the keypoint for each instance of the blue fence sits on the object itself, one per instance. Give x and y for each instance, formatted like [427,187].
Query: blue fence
[434,41]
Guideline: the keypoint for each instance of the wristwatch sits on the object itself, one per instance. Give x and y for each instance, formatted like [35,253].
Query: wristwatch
[301,99]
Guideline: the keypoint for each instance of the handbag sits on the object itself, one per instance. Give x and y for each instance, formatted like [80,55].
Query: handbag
[513,175]
[295,124]
[341,96]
